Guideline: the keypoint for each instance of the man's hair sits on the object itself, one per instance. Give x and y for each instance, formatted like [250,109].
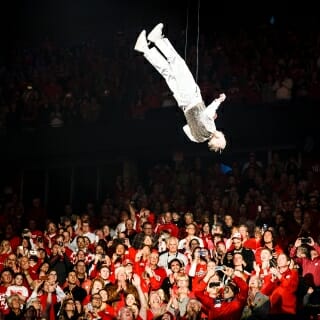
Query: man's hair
[217,141]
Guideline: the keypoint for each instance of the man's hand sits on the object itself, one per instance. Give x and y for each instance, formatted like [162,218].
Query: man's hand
[222,97]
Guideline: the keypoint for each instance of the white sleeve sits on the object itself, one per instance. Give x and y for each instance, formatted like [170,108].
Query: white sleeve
[187,131]
[212,108]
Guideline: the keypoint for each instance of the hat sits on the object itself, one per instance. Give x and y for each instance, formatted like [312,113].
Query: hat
[220,242]
[126,262]
[236,235]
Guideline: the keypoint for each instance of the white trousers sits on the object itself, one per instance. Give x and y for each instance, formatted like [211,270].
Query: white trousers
[176,73]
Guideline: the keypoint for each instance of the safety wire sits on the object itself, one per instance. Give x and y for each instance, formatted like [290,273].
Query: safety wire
[198,36]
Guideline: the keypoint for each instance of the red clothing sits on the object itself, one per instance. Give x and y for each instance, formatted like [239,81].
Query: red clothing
[4,309]
[207,241]
[231,310]
[201,270]
[168,227]
[252,243]
[309,266]
[282,292]
[277,249]
[14,242]
[3,258]
[159,275]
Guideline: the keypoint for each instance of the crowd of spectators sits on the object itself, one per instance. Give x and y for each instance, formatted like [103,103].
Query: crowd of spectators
[54,86]
[185,241]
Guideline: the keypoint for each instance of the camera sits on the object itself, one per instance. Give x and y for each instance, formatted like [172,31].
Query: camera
[214,284]
[305,240]
[220,268]
[60,243]
[33,252]
[203,253]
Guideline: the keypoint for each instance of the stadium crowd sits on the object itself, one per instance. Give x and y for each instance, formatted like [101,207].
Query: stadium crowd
[191,242]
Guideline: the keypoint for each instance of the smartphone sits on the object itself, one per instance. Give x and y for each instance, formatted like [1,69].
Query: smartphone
[43,277]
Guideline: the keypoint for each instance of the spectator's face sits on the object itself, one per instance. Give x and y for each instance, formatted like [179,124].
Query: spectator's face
[193,307]
[80,243]
[167,217]
[282,261]
[6,278]
[97,286]
[172,245]
[85,227]
[104,295]
[221,248]
[228,220]
[15,304]
[188,219]
[265,255]
[228,293]
[237,243]
[237,259]
[243,231]
[147,229]
[126,314]
[96,301]
[81,268]
[18,280]
[147,241]
[129,224]
[72,278]
[130,299]
[52,228]
[191,230]
[24,263]
[267,237]
[120,249]
[104,273]
[154,258]
[175,267]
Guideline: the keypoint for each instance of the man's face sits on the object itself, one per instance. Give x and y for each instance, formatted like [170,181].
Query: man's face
[96,301]
[147,229]
[72,278]
[227,292]
[104,273]
[172,246]
[237,243]
[6,277]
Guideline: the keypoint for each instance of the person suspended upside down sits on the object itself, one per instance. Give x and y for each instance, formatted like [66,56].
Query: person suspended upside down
[164,58]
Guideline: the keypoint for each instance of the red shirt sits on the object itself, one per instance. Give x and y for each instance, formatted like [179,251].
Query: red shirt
[231,310]
[168,227]
[309,266]
[282,293]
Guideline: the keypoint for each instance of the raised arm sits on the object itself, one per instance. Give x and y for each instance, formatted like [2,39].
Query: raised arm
[213,107]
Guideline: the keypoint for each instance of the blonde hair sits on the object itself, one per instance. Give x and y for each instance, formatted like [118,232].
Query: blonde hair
[217,141]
